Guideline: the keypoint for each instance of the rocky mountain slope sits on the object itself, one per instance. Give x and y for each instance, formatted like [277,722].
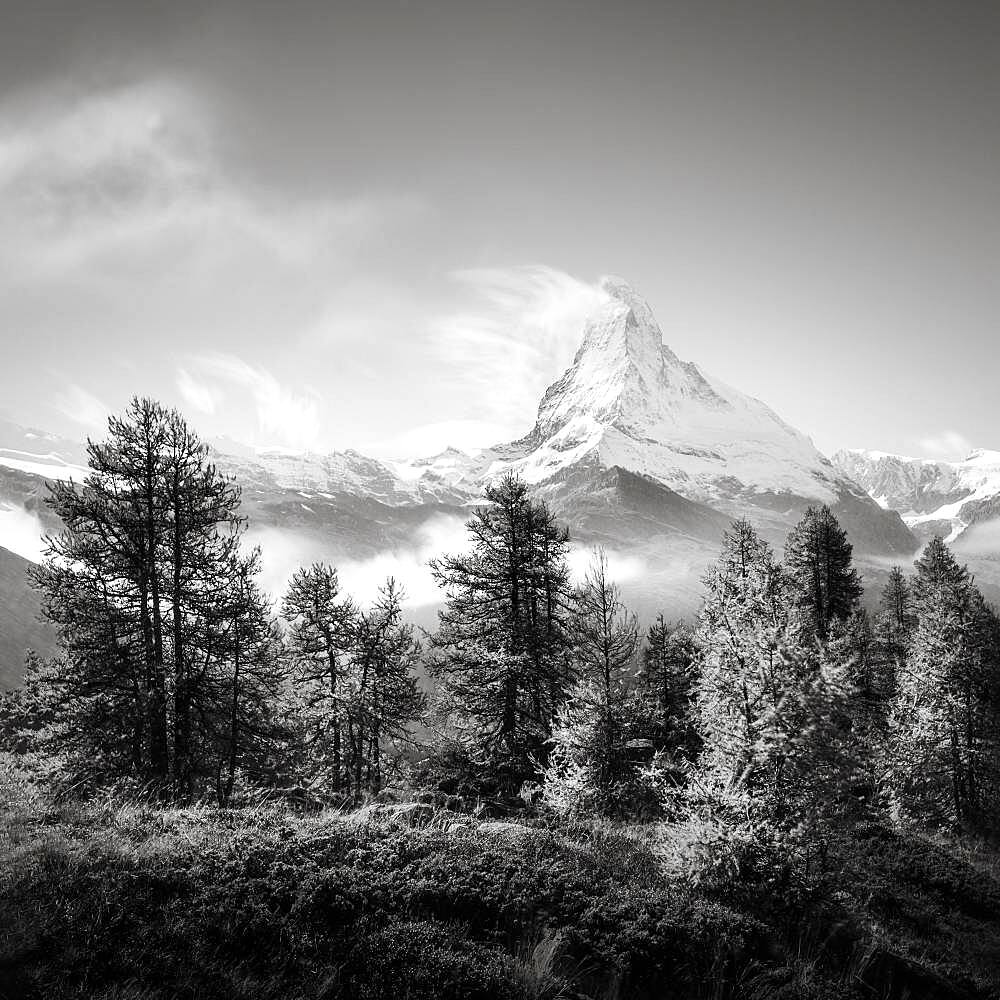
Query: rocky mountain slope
[955,500]
[20,625]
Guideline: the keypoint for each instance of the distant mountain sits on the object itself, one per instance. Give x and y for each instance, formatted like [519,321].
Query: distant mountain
[39,453]
[635,449]
[950,499]
[627,402]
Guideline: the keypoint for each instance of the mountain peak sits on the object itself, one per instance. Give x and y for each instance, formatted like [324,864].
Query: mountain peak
[628,400]
[619,290]
[623,327]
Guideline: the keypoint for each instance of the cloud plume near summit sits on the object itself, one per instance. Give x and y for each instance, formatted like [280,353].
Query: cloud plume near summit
[518,330]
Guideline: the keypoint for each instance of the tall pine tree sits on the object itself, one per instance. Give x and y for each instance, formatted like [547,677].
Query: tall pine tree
[945,723]
[500,653]
[823,583]
[143,585]
[589,764]
[771,707]
[666,678]
[322,625]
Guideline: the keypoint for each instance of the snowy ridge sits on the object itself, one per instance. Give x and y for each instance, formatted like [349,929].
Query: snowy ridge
[929,494]
[48,466]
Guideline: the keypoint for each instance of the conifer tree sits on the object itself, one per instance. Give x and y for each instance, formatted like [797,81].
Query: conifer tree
[771,708]
[823,583]
[384,697]
[589,760]
[945,723]
[605,634]
[150,552]
[869,671]
[251,681]
[742,628]
[322,625]
[667,678]
[501,649]
[895,621]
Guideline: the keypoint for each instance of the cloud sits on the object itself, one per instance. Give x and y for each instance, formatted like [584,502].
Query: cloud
[622,568]
[431,439]
[286,416]
[21,532]
[82,407]
[91,175]
[518,333]
[283,552]
[946,445]
[115,179]
[979,539]
[198,395]
[362,578]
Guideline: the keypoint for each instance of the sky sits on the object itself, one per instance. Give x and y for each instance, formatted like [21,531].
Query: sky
[327,225]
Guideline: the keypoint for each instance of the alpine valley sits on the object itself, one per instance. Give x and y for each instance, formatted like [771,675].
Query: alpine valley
[633,448]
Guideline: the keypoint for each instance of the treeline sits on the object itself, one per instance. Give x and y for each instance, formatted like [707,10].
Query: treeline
[176,675]
[783,704]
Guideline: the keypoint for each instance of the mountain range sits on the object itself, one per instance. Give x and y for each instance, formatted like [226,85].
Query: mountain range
[956,500]
[632,447]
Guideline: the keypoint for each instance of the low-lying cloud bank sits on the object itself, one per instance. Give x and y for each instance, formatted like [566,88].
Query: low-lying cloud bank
[21,532]
[283,552]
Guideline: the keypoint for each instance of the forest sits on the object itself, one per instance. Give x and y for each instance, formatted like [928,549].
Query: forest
[210,793]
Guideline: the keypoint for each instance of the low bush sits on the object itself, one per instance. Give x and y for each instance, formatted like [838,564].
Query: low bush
[116,899]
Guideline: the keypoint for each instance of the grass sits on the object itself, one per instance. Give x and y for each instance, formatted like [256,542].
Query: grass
[117,899]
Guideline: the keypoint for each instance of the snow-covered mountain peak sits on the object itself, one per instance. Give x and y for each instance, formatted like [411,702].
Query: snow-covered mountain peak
[629,401]
[622,376]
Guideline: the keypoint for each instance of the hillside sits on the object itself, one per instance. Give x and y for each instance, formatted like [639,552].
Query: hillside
[21,627]
[411,900]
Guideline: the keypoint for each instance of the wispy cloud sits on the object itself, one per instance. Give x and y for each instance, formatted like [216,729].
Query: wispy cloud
[82,407]
[132,175]
[946,445]
[520,330]
[198,395]
[286,416]
[127,207]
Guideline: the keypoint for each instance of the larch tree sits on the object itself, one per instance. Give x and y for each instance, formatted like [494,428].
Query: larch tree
[150,551]
[500,653]
[895,620]
[822,581]
[945,723]
[771,708]
[254,741]
[667,677]
[605,634]
[589,765]
[742,629]
[321,631]
[384,695]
